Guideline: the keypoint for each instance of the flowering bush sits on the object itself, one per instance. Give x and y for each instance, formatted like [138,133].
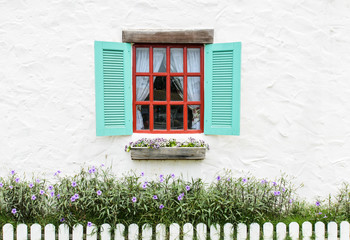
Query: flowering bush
[162,142]
[97,196]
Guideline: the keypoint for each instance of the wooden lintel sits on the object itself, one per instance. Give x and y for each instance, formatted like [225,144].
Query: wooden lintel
[171,36]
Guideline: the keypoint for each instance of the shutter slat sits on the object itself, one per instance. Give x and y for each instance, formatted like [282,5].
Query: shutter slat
[113,88]
[222,85]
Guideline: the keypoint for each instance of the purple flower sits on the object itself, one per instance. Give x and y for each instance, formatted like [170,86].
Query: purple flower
[62,220]
[50,188]
[13,211]
[172,175]
[99,192]
[276,193]
[283,189]
[52,193]
[31,185]
[10,186]
[320,213]
[13,172]
[161,175]
[161,180]
[161,206]
[155,197]
[218,178]
[134,199]
[142,174]
[33,197]
[58,196]
[76,196]
[244,180]
[318,203]
[180,196]
[1,184]
[228,179]
[42,192]
[325,216]
[188,188]
[89,224]
[72,199]
[38,180]
[290,200]
[102,165]
[17,180]
[263,181]
[74,184]
[58,171]
[274,183]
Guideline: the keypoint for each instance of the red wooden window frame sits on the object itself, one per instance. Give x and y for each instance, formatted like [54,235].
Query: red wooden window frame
[168,101]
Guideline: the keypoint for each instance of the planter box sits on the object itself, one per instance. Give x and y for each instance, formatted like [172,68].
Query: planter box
[168,153]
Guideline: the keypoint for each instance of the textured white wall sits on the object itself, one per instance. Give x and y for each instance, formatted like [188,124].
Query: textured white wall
[295,116]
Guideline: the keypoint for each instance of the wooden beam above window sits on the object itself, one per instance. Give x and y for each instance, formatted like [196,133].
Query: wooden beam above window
[169,36]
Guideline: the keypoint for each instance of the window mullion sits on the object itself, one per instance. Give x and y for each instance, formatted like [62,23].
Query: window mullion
[151,116]
[168,112]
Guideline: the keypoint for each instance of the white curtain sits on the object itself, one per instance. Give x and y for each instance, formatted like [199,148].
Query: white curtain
[176,65]
[193,84]
[142,83]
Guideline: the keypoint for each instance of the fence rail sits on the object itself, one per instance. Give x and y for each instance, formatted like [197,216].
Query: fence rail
[254,231]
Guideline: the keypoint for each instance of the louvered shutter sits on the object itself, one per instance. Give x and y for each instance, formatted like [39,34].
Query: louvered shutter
[113,88]
[222,88]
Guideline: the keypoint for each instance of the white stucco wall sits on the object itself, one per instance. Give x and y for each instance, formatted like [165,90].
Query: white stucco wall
[295,114]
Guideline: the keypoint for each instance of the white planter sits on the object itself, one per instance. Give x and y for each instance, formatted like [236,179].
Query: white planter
[168,153]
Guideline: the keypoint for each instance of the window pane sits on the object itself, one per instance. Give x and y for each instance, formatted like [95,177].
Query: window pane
[159,112]
[159,59]
[142,117]
[142,88]
[177,120]
[193,89]
[193,113]
[142,59]
[193,60]
[177,88]
[176,60]
[159,89]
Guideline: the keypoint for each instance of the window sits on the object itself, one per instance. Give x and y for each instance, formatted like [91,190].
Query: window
[115,114]
[168,88]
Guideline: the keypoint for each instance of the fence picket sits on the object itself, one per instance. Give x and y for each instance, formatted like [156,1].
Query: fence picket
[35,232]
[63,232]
[91,232]
[146,232]
[160,231]
[105,232]
[22,232]
[268,231]
[201,231]
[294,231]
[174,231]
[319,231]
[119,232]
[78,232]
[344,230]
[187,231]
[7,232]
[332,230]
[133,232]
[254,231]
[306,230]
[215,232]
[241,231]
[228,231]
[49,232]
[281,231]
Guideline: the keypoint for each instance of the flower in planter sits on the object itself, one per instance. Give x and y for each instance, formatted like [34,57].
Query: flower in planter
[1,184]
[14,211]
[161,206]
[33,197]
[89,224]
[155,197]
[134,199]
[13,172]
[188,188]
[99,192]
[42,192]
[74,184]
[62,220]
[31,185]
[17,180]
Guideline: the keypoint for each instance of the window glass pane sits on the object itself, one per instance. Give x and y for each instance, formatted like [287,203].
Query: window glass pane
[193,60]
[142,59]
[193,113]
[193,89]
[159,112]
[176,60]
[159,59]
[159,89]
[177,88]
[177,120]
[142,88]
[142,117]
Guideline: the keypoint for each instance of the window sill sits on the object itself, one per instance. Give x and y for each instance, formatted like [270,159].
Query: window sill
[168,153]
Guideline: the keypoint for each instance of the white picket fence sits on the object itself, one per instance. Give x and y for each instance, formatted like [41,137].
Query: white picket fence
[253,232]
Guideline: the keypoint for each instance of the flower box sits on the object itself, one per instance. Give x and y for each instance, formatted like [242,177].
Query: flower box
[168,153]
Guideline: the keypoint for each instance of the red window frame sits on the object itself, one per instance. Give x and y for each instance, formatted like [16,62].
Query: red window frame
[168,101]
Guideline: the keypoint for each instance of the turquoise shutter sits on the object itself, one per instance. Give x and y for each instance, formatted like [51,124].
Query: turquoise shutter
[222,88]
[113,88]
